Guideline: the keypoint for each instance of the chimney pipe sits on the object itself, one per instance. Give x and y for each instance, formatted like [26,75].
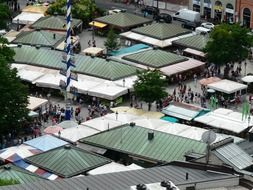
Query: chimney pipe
[150,135]
[54,36]
[186,176]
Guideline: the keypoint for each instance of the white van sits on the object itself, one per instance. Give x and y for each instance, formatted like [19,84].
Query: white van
[187,15]
[202,30]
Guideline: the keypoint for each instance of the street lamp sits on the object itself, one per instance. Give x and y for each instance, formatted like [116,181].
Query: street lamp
[124,82]
[249,118]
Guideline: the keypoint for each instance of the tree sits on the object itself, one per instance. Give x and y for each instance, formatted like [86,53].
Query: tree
[4,15]
[4,182]
[150,86]
[85,10]
[111,42]
[229,43]
[13,101]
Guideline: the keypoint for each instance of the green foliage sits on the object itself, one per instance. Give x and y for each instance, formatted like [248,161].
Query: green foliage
[229,43]
[4,15]
[13,101]
[82,9]
[111,42]
[150,86]
[4,182]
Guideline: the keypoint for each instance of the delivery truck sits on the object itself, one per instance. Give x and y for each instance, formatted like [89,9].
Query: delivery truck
[187,15]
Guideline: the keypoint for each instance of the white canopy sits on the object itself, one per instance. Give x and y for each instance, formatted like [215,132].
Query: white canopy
[151,123]
[93,51]
[225,119]
[152,41]
[182,66]
[227,86]
[34,102]
[29,75]
[102,123]
[122,117]
[107,90]
[74,134]
[248,79]
[113,167]
[27,18]
[126,82]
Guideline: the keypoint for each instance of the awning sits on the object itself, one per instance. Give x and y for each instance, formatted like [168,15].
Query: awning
[97,24]
[194,52]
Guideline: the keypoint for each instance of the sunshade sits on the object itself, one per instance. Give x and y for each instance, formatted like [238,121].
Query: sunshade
[53,129]
[248,79]
[97,24]
[15,153]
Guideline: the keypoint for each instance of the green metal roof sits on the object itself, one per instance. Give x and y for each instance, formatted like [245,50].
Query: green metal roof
[10,171]
[97,67]
[134,141]
[197,42]
[67,161]
[54,23]
[123,20]
[155,58]
[161,31]
[41,37]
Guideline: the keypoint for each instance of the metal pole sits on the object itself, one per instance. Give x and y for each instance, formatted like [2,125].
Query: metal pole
[68,61]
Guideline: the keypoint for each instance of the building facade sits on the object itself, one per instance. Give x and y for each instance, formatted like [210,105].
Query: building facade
[244,10]
[218,10]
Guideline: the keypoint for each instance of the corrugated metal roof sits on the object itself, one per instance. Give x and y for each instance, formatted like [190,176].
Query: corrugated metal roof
[97,67]
[163,147]
[13,172]
[54,23]
[246,145]
[161,31]
[43,38]
[67,161]
[123,180]
[123,20]
[155,58]
[197,42]
[233,155]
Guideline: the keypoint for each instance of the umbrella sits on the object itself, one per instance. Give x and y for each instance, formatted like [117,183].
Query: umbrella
[53,129]
[120,109]
[67,124]
[153,115]
[211,90]
[15,153]
[248,79]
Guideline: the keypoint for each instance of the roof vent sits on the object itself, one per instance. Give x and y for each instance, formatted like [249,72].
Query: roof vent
[7,167]
[54,36]
[166,184]
[19,45]
[132,124]
[155,48]
[92,56]
[107,59]
[141,187]
[186,176]
[151,135]
[38,46]
[67,146]
[222,143]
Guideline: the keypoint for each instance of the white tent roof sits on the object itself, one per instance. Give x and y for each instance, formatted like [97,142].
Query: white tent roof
[111,168]
[107,90]
[248,79]
[227,86]
[93,50]
[129,82]
[29,75]
[151,123]
[35,102]
[152,41]
[181,67]
[27,18]
[122,117]
[74,134]
[50,80]
[225,119]
[102,123]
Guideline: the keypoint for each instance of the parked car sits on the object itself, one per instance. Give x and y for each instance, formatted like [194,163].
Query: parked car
[202,30]
[164,17]
[207,25]
[187,15]
[190,25]
[115,11]
[150,10]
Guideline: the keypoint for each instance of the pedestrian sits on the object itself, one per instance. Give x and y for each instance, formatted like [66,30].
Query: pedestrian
[195,79]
